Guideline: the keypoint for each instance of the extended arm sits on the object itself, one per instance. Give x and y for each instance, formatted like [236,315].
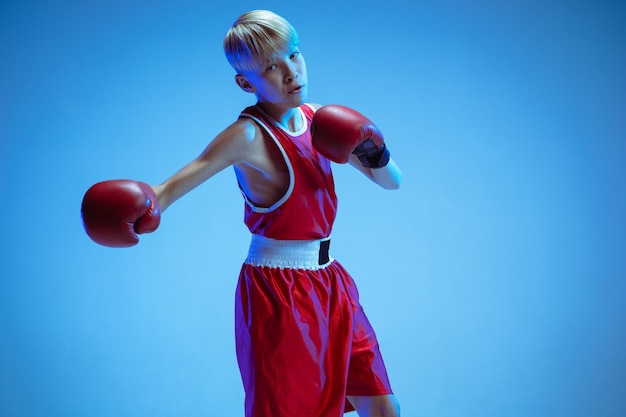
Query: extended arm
[115,212]
[226,149]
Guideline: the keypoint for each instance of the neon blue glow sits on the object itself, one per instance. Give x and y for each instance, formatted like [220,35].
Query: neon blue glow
[496,277]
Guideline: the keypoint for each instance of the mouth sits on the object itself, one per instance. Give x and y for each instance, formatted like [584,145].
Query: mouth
[296,90]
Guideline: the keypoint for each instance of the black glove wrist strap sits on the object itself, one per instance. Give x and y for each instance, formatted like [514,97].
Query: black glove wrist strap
[377,159]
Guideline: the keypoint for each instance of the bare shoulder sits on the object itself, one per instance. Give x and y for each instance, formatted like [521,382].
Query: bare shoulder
[236,142]
[241,132]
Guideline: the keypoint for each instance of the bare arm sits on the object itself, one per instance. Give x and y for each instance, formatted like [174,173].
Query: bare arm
[227,148]
[389,177]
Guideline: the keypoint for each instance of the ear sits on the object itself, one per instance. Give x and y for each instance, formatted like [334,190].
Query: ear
[244,84]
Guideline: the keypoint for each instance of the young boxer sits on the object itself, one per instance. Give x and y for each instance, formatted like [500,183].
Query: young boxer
[304,345]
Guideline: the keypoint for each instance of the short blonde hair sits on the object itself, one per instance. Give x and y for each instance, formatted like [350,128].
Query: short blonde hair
[255,36]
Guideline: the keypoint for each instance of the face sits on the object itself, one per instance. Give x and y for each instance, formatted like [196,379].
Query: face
[281,81]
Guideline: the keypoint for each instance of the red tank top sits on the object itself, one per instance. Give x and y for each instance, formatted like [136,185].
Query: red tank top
[308,208]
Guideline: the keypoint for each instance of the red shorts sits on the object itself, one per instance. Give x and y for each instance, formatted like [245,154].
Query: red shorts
[303,340]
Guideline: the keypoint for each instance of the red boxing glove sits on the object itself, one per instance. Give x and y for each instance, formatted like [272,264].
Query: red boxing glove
[338,131]
[114,212]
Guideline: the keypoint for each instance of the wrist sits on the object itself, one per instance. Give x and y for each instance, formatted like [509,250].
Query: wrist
[160,191]
[377,159]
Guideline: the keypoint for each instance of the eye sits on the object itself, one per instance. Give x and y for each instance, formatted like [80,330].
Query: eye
[270,67]
[294,55]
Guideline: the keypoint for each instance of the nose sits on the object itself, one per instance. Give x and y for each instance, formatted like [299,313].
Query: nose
[291,72]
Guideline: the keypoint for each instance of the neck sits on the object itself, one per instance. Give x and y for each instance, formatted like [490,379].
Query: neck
[288,117]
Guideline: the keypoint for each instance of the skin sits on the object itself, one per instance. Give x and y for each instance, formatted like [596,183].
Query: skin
[280,87]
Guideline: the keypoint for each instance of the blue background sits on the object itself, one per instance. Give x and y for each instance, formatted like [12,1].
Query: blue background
[495,277]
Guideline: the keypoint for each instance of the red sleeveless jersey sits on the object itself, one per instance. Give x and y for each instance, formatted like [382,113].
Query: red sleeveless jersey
[308,208]
[303,340]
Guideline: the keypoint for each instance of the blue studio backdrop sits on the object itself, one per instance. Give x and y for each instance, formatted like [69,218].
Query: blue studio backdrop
[495,277]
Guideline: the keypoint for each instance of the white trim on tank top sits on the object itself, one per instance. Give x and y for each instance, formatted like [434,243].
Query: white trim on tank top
[287,194]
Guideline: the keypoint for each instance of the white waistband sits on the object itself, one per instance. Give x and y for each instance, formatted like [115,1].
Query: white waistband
[294,254]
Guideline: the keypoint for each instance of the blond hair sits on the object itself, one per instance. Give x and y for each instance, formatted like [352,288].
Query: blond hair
[255,36]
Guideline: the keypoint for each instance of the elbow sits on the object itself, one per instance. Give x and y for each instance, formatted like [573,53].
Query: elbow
[394,176]
[395,185]
[394,182]
[388,177]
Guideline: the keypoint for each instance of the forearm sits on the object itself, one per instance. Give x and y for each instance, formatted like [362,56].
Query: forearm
[231,145]
[388,177]
[181,183]
[168,192]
